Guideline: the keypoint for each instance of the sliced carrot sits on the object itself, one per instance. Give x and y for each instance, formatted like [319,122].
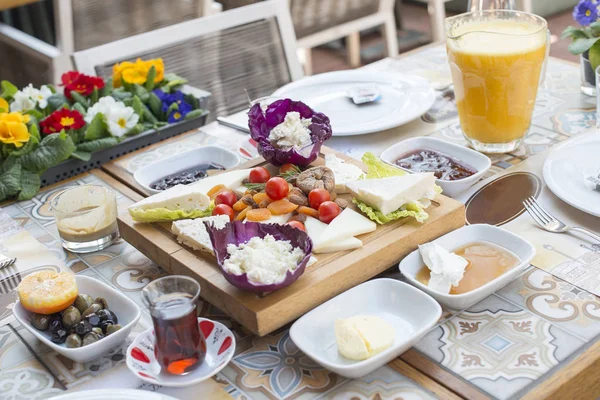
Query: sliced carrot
[242,214]
[258,214]
[260,197]
[308,211]
[215,190]
[281,207]
[239,205]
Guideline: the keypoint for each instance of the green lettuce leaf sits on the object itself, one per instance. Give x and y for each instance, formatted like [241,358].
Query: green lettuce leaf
[410,210]
[52,150]
[166,215]
[379,169]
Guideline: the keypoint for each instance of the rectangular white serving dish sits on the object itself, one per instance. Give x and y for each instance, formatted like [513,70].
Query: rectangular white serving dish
[149,174]
[410,311]
[480,162]
[126,310]
[412,263]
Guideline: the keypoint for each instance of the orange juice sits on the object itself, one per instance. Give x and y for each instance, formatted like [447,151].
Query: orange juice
[496,65]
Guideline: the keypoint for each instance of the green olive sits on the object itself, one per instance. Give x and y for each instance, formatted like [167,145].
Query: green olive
[73,340]
[40,321]
[83,301]
[102,301]
[70,317]
[98,331]
[110,329]
[94,308]
[90,338]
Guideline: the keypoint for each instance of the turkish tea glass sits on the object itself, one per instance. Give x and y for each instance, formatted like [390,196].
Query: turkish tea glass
[180,345]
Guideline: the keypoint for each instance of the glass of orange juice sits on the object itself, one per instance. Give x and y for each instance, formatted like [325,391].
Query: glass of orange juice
[496,59]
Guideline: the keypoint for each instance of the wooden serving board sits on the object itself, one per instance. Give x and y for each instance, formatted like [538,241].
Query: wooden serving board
[331,275]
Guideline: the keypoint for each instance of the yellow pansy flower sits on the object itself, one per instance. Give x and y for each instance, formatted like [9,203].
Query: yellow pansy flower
[137,74]
[159,66]
[4,105]
[13,128]
[118,70]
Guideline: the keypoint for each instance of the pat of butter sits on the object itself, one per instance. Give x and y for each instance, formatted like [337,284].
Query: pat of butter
[362,336]
[447,269]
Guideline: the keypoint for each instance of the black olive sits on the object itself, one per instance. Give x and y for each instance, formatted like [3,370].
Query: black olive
[94,318]
[104,324]
[59,336]
[83,327]
[107,314]
[55,325]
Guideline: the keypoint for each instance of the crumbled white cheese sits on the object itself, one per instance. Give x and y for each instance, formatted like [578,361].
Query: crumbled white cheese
[265,260]
[447,269]
[293,132]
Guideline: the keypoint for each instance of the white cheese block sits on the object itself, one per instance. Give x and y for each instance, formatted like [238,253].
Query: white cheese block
[344,172]
[348,224]
[390,194]
[193,233]
[315,229]
[363,336]
[231,179]
[179,197]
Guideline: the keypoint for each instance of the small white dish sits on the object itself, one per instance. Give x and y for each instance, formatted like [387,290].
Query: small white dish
[113,394]
[410,311]
[220,347]
[566,170]
[149,174]
[480,162]
[126,310]
[412,263]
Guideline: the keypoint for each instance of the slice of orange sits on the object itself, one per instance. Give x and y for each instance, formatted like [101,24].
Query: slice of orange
[47,292]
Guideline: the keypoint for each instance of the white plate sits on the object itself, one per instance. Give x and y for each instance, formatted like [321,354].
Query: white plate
[566,169]
[412,263]
[410,311]
[113,394]
[403,99]
[149,174]
[126,310]
[220,346]
[480,162]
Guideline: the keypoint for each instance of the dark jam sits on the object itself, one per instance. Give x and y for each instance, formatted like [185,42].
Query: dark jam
[185,177]
[443,167]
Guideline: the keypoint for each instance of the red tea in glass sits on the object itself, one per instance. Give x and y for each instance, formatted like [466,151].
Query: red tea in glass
[180,346]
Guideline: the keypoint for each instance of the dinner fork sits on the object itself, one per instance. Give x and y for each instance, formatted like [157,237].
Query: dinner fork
[6,261]
[550,223]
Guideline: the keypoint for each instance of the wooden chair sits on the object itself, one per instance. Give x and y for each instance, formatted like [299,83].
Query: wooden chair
[317,22]
[252,48]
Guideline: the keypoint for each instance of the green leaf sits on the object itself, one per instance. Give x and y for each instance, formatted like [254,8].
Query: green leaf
[80,108]
[30,185]
[121,95]
[148,116]
[150,80]
[174,80]
[138,106]
[594,55]
[108,87]
[193,101]
[52,88]
[136,130]
[77,135]
[56,101]
[581,45]
[52,150]
[138,90]
[36,114]
[94,97]
[81,155]
[128,102]
[10,177]
[574,33]
[379,169]
[194,114]
[98,144]
[28,148]
[8,90]
[79,99]
[35,133]
[97,128]
[155,105]
[66,106]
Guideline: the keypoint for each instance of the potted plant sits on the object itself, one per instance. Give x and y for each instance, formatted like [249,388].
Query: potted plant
[585,42]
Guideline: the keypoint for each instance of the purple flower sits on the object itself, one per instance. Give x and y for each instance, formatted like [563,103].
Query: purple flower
[585,12]
[179,114]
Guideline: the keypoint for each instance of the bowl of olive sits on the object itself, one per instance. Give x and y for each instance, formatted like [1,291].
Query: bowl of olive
[99,319]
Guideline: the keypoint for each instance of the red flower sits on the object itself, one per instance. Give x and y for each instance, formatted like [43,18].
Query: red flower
[62,119]
[69,77]
[83,84]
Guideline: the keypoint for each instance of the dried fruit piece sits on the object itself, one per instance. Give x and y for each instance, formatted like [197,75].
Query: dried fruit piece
[341,202]
[239,205]
[242,214]
[47,292]
[260,197]
[299,217]
[258,214]
[311,212]
[212,193]
[281,207]
[298,197]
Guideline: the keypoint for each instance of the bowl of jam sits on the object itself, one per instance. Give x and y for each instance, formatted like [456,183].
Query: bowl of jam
[185,168]
[455,167]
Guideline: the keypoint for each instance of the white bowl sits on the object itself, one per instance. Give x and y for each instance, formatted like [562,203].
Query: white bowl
[126,310]
[412,263]
[480,162]
[149,174]
[411,312]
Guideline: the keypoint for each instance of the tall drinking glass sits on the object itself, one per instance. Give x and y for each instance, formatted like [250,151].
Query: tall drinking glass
[496,58]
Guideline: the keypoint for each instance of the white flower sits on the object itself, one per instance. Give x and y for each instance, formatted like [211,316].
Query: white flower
[21,102]
[102,106]
[42,96]
[121,120]
[27,98]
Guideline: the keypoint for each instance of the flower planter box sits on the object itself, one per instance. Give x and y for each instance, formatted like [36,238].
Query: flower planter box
[72,166]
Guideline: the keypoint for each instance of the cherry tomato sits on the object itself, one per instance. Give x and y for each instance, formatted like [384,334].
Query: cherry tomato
[328,210]
[224,209]
[277,188]
[259,175]
[297,225]
[226,197]
[286,167]
[318,196]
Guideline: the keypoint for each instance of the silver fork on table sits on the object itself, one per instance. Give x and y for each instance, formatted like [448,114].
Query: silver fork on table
[6,261]
[550,223]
